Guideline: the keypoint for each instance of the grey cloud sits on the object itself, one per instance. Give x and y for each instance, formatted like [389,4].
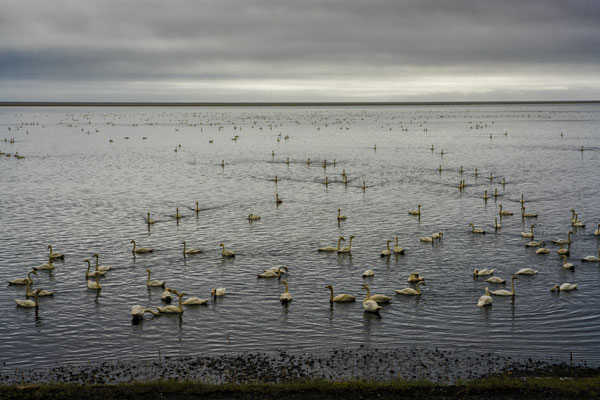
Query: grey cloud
[235,40]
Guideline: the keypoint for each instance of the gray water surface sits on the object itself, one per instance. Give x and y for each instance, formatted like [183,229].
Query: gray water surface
[83,194]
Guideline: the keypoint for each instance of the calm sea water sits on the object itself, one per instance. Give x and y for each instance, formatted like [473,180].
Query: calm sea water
[82,194]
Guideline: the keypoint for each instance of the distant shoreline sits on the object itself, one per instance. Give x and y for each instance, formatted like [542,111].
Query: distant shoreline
[279,104]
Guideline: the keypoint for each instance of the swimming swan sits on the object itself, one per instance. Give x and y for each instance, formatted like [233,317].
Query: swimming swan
[526,271]
[150,283]
[370,305]
[527,215]
[101,268]
[166,295]
[341,217]
[171,309]
[483,272]
[476,230]
[368,273]
[486,299]
[542,250]
[504,212]
[253,217]
[496,224]
[529,234]
[564,241]
[378,298]
[137,312]
[592,258]
[567,265]
[22,281]
[150,221]
[29,303]
[535,244]
[415,212]
[506,292]
[54,255]
[272,274]
[387,252]
[597,231]
[340,298]
[140,250]
[564,287]
[195,301]
[348,248]
[225,252]
[286,296]
[410,291]
[495,279]
[217,292]
[331,248]
[397,249]
[414,277]
[189,251]
[94,284]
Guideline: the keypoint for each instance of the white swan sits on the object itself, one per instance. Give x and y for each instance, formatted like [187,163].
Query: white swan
[89,274]
[150,221]
[438,235]
[387,252]
[564,252]
[592,258]
[504,212]
[495,279]
[348,248]
[253,217]
[331,248]
[410,291]
[535,244]
[526,271]
[29,303]
[271,273]
[564,241]
[54,255]
[542,250]
[340,298]
[154,283]
[415,277]
[415,212]
[341,217]
[527,215]
[597,231]
[368,273]
[503,292]
[94,284]
[277,199]
[567,265]
[368,304]
[496,224]
[286,296]
[397,249]
[577,223]
[483,272]
[485,195]
[476,230]
[101,268]
[140,250]
[378,298]
[486,299]
[187,251]
[426,239]
[529,234]
[225,252]
[171,309]
[218,292]
[22,281]
[166,295]
[45,267]
[137,312]
[195,301]
[40,293]
[564,287]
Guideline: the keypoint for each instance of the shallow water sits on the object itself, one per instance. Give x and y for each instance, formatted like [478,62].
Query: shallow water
[81,193]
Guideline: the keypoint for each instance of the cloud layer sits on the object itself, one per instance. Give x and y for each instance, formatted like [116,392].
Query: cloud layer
[302,50]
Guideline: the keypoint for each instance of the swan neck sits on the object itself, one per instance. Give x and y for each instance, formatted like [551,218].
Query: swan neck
[331,294]
[339,242]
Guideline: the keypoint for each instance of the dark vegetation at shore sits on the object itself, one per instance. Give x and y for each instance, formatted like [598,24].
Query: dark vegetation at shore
[581,383]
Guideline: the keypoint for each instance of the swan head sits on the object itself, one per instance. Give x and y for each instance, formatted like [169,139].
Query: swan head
[95,255]
[475,272]
[555,288]
[284,282]
[132,241]
[50,246]
[365,286]
[329,287]
[148,270]
[283,267]
[352,236]
[86,260]
[222,245]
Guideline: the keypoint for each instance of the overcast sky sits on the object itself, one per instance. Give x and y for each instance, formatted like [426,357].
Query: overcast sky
[299,50]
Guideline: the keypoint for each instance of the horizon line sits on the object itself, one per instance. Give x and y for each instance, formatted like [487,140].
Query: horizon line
[279,104]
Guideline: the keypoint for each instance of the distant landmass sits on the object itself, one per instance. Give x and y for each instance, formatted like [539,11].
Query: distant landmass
[271,104]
